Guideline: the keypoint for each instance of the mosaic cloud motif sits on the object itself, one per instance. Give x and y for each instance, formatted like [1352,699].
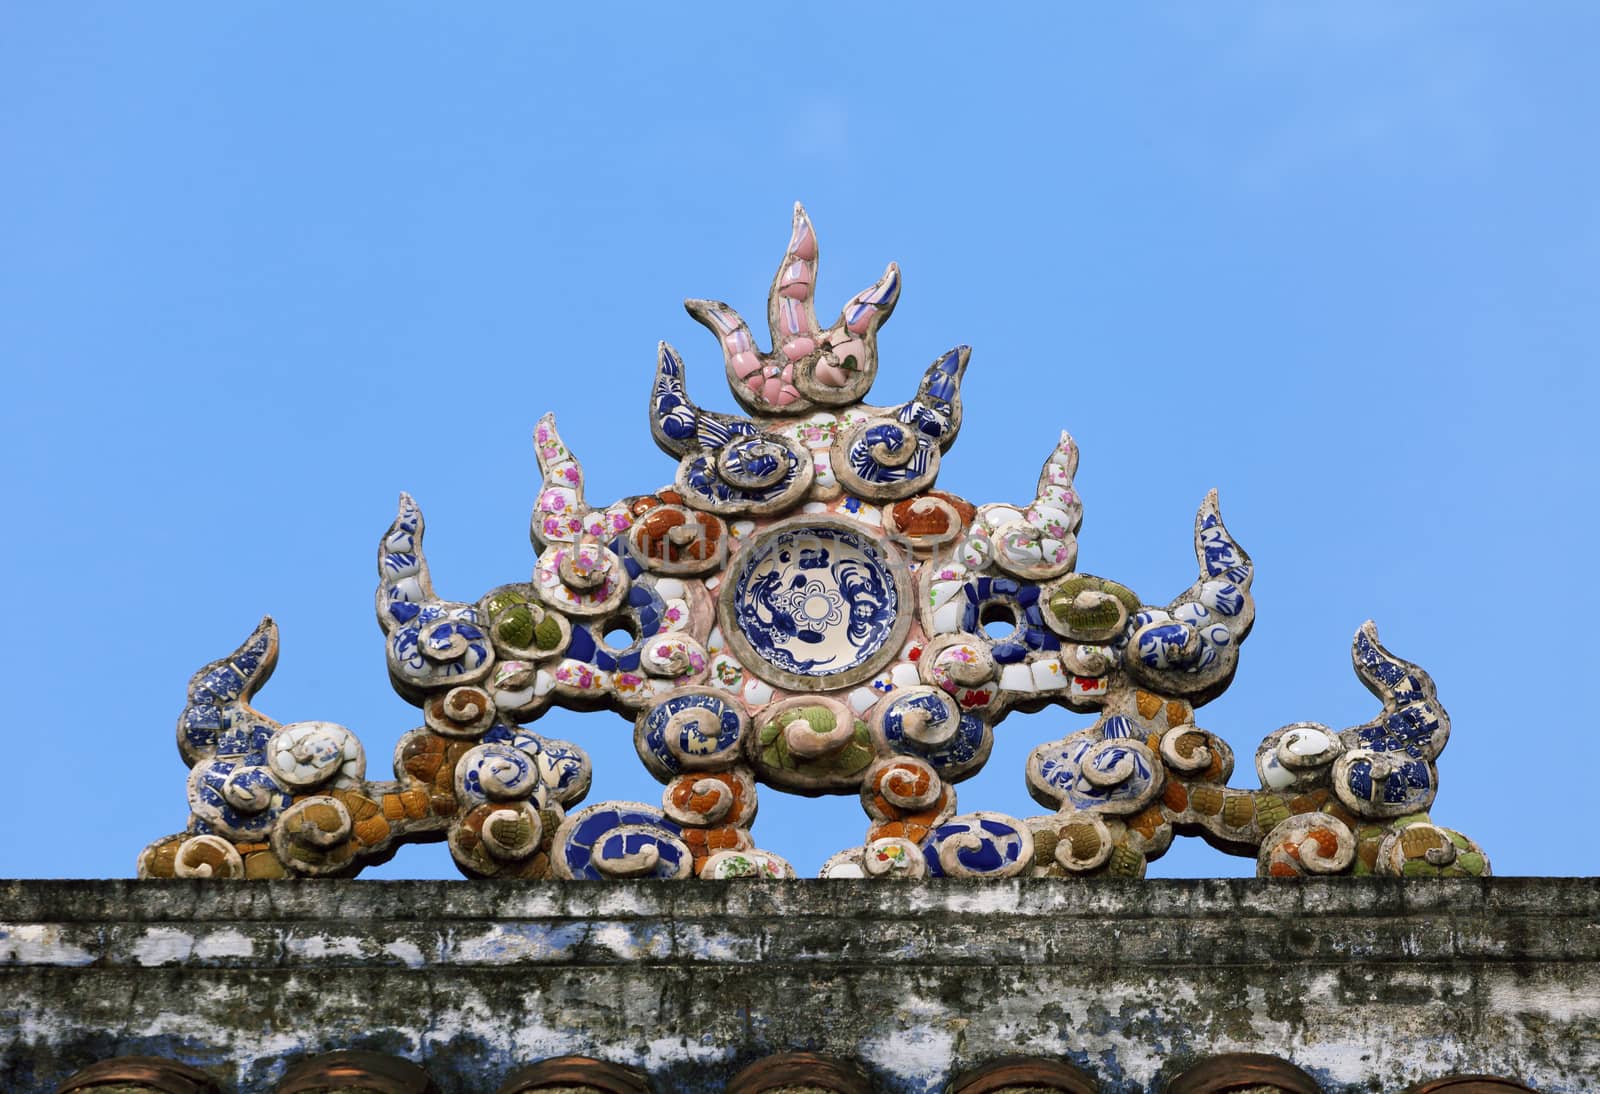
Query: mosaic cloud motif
[803,609]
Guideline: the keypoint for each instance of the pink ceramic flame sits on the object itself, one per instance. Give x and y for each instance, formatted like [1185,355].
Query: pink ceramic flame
[803,243]
[796,348]
[830,375]
[798,280]
[861,322]
[794,324]
[775,385]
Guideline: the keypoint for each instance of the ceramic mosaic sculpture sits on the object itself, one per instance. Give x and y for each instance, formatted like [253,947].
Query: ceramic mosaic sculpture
[805,610]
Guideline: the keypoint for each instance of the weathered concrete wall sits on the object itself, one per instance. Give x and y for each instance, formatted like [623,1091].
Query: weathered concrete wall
[1367,984]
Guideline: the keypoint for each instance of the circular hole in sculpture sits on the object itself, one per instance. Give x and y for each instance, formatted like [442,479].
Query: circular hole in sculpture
[999,621]
[620,635]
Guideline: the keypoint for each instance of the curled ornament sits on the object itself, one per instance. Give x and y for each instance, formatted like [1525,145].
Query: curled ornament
[1191,647]
[582,578]
[307,755]
[894,453]
[963,668]
[711,799]
[1091,773]
[1071,842]
[894,859]
[928,722]
[746,865]
[314,836]
[237,798]
[1039,541]
[1298,756]
[695,729]
[564,769]
[811,743]
[891,858]
[674,656]
[210,857]
[523,627]
[903,786]
[1090,610]
[497,839]
[674,539]
[727,464]
[924,523]
[905,798]
[1306,844]
[432,643]
[979,845]
[464,712]
[497,773]
[1381,784]
[1419,848]
[1191,753]
[620,840]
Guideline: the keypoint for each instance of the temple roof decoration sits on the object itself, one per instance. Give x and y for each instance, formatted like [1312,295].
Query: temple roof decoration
[803,609]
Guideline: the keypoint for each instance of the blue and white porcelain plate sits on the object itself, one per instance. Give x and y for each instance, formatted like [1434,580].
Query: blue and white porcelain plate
[815,605]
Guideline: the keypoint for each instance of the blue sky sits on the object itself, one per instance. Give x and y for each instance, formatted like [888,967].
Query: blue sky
[262,268]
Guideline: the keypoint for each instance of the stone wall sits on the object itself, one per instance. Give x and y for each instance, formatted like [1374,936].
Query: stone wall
[1366,984]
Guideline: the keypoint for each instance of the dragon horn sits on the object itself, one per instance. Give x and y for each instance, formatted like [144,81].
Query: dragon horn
[1410,700]
[674,420]
[936,410]
[790,310]
[403,581]
[558,514]
[868,309]
[220,693]
[1220,556]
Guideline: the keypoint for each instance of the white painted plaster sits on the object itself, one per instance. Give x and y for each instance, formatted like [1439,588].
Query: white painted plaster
[39,944]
